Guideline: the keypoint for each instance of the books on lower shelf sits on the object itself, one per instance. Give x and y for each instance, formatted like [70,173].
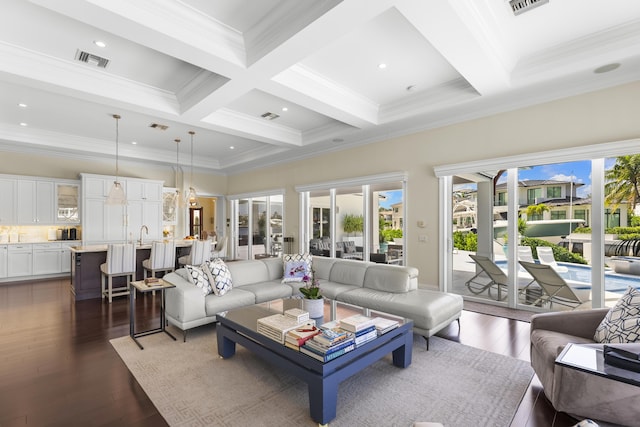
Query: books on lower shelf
[276,326]
[326,357]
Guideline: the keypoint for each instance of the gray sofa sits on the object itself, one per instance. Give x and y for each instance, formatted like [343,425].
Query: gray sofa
[580,394]
[388,288]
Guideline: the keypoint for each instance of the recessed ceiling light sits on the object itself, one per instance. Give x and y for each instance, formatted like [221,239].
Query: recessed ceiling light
[382,66]
[22,105]
[232,148]
[606,68]
[99,43]
[285,109]
[134,142]
[23,124]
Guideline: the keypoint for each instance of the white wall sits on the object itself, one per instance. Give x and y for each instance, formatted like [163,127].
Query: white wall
[603,116]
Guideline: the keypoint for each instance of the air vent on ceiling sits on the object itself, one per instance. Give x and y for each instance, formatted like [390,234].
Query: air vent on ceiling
[522,6]
[91,59]
[158,126]
[269,116]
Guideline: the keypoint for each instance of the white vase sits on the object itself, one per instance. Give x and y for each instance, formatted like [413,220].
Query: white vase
[315,307]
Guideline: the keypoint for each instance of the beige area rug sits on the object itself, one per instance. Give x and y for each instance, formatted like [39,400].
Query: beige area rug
[451,383]
[493,310]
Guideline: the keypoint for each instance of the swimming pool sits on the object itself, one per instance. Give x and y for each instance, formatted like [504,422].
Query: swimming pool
[613,282]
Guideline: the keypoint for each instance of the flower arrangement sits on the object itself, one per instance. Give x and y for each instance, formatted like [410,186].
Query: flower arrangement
[311,288]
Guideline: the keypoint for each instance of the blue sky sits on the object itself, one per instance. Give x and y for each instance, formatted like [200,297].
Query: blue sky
[580,171]
[393,197]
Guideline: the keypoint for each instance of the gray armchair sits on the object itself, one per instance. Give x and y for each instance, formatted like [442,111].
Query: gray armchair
[580,394]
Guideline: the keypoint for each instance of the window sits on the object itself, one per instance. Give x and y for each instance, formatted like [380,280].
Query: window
[533,194]
[612,219]
[558,215]
[582,214]
[359,219]
[554,192]
[502,199]
[257,226]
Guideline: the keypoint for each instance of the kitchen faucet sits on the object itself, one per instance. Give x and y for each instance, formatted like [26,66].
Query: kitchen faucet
[145,228]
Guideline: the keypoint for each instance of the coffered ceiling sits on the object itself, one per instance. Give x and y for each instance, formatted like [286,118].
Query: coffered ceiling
[329,74]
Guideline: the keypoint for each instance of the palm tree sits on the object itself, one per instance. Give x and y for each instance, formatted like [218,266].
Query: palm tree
[538,209]
[623,181]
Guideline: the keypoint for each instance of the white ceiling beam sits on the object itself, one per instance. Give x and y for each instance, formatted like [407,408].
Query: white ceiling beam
[466,50]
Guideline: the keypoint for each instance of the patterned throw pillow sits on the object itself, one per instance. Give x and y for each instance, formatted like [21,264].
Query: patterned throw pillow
[219,277]
[622,322]
[296,266]
[198,276]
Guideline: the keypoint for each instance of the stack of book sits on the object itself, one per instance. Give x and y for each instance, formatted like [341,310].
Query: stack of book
[276,326]
[363,327]
[297,337]
[385,325]
[298,314]
[329,344]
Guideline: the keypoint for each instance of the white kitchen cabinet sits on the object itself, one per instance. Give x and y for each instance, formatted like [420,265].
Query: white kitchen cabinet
[19,260]
[3,261]
[141,213]
[8,205]
[35,202]
[65,256]
[142,189]
[46,258]
[103,223]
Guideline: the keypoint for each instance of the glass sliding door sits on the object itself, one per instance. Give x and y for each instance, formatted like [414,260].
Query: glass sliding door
[242,232]
[360,219]
[258,226]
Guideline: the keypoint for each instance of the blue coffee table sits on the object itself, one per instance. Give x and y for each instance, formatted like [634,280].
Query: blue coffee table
[239,326]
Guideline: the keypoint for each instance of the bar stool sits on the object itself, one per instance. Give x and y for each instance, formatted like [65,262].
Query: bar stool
[162,258]
[121,261]
[200,252]
[220,251]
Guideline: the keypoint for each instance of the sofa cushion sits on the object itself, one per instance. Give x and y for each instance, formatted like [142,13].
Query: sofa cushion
[296,267]
[268,291]
[622,322]
[428,309]
[233,299]
[391,278]
[248,272]
[322,267]
[348,272]
[198,276]
[219,276]
[274,266]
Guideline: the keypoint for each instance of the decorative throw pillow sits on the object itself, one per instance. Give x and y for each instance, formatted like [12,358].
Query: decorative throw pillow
[219,277]
[350,247]
[296,266]
[198,276]
[622,322]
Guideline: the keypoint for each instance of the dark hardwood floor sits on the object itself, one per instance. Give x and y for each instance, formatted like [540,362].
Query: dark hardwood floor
[57,367]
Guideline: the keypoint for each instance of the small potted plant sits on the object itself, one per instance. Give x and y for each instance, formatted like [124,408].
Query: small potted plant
[312,297]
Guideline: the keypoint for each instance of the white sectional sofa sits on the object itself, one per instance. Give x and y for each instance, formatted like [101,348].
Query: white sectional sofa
[388,288]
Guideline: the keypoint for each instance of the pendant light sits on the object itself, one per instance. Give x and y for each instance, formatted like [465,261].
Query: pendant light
[192,197]
[180,202]
[116,193]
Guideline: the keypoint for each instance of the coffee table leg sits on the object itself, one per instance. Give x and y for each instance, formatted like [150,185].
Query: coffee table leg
[226,347]
[402,354]
[323,399]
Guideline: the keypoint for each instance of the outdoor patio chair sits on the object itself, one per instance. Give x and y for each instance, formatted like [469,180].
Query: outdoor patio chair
[524,254]
[554,288]
[545,255]
[498,280]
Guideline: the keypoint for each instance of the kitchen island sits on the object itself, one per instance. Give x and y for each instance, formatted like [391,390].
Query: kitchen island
[85,267]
